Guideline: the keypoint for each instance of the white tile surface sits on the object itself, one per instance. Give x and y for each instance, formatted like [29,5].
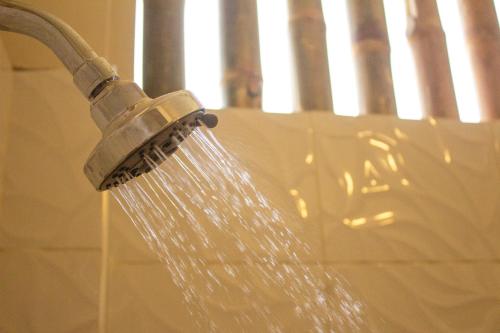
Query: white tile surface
[143,298]
[48,291]
[47,200]
[27,53]
[411,209]
[5,110]
[413,297]
[407,190]
[405,213]
[404,297]
[279,154]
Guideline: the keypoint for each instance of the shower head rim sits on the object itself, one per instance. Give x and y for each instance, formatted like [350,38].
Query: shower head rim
[174,112]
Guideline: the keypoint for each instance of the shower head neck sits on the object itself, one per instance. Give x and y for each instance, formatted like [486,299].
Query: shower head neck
[115,99]
[134,126]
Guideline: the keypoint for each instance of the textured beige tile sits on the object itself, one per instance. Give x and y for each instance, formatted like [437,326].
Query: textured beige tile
[287,288]
[402,190]
[107,26]
[120,45]
[431,223]
[5,110]
[495,127]
[49,291]
[125,241]
[47,199]
[445,297]
[143,298]
[278,152]
[88,17]
[368,297]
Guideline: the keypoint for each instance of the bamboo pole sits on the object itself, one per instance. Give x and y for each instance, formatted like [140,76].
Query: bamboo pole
[428,42]
[371,50]
[308,35]
[483,37]
[163,63]
[241,54]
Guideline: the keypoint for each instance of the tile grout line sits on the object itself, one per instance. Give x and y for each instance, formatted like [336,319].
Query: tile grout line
[50,248]
[103,280]
[312,137]
[334,262]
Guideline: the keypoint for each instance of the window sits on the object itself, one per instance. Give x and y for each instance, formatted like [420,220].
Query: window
[203,65]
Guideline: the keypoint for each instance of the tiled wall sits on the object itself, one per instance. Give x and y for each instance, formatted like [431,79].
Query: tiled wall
[107,25]
[5,101]
[50,216]
[431,265]
[407,211]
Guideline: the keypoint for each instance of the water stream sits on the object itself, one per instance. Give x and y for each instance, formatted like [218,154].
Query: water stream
[225,243]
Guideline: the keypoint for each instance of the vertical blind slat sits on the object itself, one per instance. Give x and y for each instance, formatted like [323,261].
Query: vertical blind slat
[312,75]
[371,51]
[483,38]
[242,83]
[428,42]
[163,63]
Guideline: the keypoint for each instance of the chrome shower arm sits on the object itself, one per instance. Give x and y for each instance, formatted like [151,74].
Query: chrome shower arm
[88,69]
[134,126]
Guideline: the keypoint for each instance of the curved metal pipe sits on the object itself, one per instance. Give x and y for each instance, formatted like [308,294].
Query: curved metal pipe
[89,70]
[133,125]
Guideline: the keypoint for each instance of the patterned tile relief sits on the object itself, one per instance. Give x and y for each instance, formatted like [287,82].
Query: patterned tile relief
[388,190]
[27,53]
[278,152]
[142,298]
[461,190]
[47,201]
[48,291]
[355,313]
[120,45]
[5,109]
[125,243]
[388,184]
[495,127]
[475,166]
[442,297]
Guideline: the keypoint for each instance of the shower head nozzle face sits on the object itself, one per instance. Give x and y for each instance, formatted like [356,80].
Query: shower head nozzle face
[151,129]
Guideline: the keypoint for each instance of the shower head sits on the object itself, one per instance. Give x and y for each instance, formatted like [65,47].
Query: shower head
[136,129]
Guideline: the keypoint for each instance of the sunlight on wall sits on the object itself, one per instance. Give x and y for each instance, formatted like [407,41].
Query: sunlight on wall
[203,65]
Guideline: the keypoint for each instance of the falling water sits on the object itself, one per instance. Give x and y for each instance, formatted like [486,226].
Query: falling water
[200,212]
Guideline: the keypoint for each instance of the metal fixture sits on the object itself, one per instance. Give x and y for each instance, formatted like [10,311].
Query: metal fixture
[132,124]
